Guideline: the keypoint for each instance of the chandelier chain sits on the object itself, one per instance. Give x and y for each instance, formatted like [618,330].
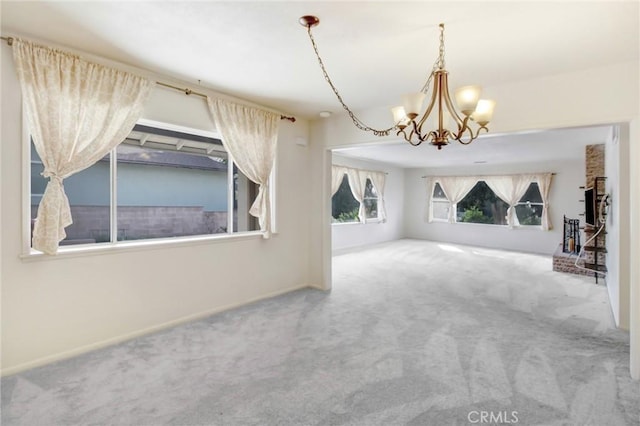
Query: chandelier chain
[441,57]
[438,64]
[408,119]
[356,121]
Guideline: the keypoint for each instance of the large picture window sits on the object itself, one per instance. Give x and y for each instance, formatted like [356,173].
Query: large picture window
[508,200]
[482,205]
[158,183]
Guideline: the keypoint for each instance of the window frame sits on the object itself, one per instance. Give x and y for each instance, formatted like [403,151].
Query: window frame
[455,207]
[143,244]
[367,220]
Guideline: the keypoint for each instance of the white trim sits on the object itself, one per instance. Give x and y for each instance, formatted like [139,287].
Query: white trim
[142,332]
[230,194]
[81,250]
[273,178]
[26,182]
[113,195]
[353,222]
[177,128]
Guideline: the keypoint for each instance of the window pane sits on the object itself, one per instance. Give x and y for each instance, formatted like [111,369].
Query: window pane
[344,208]
[439,203]
[532,195]
[88,192]
[244,194]
[440,209]
[481,205]
[370,200]
[169,194]
[438,192]
[370,190]
[529,214]
[529,209]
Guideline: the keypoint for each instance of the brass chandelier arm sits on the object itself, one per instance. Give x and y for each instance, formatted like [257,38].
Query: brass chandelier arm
[356,121]
[432,102]
[472,137]
[447,99]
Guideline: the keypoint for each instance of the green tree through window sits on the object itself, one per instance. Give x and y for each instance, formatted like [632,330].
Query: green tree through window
[344,208]
[482,205]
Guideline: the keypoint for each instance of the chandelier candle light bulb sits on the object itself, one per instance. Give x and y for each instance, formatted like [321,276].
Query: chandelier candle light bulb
[484,111]
[440,113]
[467,98]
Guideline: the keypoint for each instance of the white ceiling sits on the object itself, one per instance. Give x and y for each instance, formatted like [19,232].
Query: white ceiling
[524,147]
[374,51]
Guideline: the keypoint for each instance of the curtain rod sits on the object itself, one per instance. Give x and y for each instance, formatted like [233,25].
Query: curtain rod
[426,176]
[186,91]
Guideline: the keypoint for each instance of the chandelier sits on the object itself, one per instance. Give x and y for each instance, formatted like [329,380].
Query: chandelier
[445,121]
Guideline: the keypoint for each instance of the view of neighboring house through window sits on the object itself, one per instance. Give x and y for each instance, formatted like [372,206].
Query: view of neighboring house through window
[529,208]
[482,205]
[89,199]
[344,207]
[162,183]
[440,204]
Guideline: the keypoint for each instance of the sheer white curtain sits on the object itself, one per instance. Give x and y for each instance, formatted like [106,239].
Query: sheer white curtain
[77,111]
[544,184]
[378,179]
[456,188]
[337,174]
[250,136]
[430,184]
[510,189]
[357,181]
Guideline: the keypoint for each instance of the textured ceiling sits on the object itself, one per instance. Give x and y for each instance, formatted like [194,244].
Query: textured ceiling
[374,52]
[524,147]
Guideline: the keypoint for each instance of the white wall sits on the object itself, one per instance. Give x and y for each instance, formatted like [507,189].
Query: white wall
[564,200]
[617,165]
[347,235]
[55,307]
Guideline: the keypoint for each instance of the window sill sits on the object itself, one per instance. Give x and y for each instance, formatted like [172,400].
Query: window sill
[523,227]
[374,221]
[66,252]
[368,222]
